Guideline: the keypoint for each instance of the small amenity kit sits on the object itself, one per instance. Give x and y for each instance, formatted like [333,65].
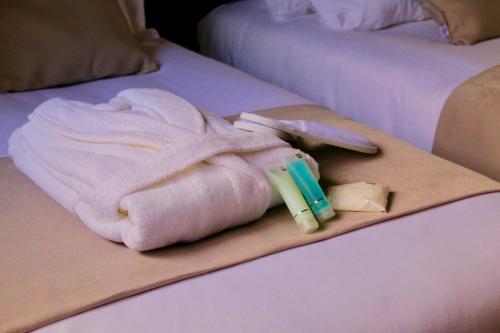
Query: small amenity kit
[359,197]
[301,192]
[295,181]
[149,169]
[307,202]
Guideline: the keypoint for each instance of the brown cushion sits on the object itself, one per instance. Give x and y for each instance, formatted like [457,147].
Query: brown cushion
[48,43]
[468,21]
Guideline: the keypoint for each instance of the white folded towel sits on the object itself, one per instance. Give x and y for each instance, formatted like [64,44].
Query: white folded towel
[148,168]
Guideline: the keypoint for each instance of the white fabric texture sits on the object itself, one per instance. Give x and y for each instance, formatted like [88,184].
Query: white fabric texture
[148,168]
[287,9]
[367,14]
[396,79]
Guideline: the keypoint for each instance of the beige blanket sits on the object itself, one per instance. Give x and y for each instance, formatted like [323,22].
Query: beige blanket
[468,131]
[53,266]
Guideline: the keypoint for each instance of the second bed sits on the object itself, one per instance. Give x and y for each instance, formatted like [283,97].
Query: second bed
[397,79]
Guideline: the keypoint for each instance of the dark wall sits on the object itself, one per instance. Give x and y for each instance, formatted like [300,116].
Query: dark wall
[178,23]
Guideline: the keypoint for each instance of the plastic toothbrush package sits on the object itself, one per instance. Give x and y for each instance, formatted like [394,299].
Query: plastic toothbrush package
[290,130]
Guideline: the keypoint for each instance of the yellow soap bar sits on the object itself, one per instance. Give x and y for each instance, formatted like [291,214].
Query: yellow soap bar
[359,197]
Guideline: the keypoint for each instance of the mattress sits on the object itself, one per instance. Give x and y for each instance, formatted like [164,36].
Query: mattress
[396,79]
[433,271]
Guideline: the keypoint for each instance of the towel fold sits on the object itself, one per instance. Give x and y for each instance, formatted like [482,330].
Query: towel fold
[148,168]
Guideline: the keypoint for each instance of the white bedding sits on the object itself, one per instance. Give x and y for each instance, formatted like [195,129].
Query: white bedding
[433,271]
[395,79]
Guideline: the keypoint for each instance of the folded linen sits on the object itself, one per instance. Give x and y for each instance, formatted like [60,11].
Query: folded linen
[148,168]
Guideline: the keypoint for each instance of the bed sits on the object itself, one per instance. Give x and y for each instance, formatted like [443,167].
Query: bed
[435,270]
[397,79]
[430,271]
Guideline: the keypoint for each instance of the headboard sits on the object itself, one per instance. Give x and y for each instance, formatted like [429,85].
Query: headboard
[178,22]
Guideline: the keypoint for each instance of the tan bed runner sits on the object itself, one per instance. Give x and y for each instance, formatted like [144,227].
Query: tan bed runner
[52,266]
[468,131]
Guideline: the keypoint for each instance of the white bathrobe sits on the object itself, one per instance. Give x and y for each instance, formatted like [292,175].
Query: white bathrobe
[148,168]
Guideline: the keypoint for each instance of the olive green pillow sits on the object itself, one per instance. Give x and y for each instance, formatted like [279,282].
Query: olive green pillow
[468,21]
[57,42]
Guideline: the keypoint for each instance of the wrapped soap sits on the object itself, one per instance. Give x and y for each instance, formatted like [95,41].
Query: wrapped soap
[359,197]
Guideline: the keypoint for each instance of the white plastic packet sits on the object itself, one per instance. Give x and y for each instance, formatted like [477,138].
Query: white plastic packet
[359,197]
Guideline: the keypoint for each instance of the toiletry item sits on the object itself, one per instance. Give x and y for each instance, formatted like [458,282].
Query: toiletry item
[307,183]
[250,126]
[281,179]
[328,134]
[359,197]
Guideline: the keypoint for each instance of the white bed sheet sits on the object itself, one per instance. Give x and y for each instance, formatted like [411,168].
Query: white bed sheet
[433,271]
[396,79]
